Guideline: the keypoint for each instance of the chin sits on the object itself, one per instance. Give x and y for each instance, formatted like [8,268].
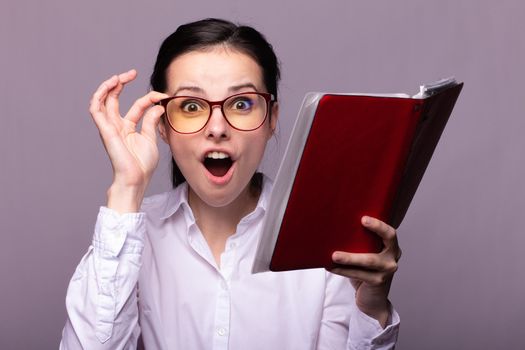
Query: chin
[219,197]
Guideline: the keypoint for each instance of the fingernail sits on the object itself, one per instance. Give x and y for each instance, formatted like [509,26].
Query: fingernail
[366,220]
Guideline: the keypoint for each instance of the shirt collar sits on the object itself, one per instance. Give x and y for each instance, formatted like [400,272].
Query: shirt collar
[178,197]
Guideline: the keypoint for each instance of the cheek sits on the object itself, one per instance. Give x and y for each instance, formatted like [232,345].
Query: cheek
[180,150]
[256,147]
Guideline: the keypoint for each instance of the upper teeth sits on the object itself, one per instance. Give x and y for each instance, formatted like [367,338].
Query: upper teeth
[217,155]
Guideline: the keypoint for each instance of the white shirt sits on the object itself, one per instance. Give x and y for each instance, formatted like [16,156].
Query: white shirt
[152,273]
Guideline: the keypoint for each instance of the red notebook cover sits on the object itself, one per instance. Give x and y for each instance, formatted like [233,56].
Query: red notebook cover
[364,155]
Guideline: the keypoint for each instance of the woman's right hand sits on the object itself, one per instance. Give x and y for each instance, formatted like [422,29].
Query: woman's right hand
[134,154]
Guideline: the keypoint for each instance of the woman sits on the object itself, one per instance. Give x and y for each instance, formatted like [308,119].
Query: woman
[175,268]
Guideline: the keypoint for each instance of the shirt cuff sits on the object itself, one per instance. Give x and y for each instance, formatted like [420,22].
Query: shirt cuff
[117,233]
[365,332]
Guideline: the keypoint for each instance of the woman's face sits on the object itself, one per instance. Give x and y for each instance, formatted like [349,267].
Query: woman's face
[214,75]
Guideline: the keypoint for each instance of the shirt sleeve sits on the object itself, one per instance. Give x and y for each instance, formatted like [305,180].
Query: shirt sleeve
[101,299]
[343,325]
[365,332]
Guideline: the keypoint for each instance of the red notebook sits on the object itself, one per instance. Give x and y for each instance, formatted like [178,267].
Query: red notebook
[349,155]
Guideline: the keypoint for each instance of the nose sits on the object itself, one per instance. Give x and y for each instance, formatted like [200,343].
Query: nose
[217,126]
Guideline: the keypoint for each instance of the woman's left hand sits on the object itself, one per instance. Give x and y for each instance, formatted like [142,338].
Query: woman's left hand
[371,274]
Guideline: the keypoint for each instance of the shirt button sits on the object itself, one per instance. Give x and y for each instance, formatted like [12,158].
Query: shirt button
[233,245]
[224,285]
[221,331]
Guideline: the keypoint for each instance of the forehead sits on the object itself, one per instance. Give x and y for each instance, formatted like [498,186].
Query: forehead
[214,71]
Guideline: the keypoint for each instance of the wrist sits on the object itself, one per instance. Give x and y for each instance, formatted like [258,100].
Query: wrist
[380,312]
[125,198]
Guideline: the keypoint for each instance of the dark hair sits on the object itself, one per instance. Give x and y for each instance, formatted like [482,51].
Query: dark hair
[210,32]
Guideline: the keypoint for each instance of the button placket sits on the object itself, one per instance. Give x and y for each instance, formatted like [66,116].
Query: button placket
[222,315]
[224,285]
[223,304]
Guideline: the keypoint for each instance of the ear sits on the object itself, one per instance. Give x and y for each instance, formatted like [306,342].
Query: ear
[274,117]
[162,129]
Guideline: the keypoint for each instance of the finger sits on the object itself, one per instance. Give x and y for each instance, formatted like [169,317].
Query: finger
[150,121]
[383,230]
[128,76]
[139,107]
[97,103]
[372,278]
[399,253]
[371,262]
[112,101]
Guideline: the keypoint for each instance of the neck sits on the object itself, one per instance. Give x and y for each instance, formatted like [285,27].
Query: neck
[219,223]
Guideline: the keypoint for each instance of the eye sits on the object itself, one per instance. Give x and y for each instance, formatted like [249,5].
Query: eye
[242,103]
[192,106]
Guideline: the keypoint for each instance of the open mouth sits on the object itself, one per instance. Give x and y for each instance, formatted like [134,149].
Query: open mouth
[217,163]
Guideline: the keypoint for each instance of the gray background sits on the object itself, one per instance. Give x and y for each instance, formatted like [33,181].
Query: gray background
[460,283]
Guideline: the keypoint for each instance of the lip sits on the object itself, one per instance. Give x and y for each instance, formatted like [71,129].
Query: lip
[222,150]
[219,180]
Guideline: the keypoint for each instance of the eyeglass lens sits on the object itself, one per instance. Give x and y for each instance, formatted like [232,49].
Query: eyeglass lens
[243,112]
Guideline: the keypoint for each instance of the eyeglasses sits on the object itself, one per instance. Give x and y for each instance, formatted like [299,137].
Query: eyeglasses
[245,111]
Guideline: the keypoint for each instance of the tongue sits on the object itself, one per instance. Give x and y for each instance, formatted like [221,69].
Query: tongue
[218,167]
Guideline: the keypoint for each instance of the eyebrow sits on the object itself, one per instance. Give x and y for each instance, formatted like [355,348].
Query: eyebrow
[231,89]
[237,88]
[195,89]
